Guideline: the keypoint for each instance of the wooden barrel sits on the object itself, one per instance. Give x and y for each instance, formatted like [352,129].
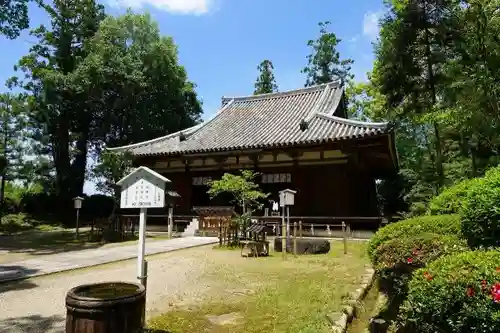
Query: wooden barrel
[110,307]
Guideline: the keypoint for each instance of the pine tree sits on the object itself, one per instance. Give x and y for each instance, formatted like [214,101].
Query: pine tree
[12,139]
[324,63]
[266,83]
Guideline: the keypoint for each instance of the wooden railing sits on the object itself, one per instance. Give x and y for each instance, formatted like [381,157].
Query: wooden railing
[307,225]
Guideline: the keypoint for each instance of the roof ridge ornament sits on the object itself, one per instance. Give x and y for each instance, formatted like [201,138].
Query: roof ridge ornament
[304,125]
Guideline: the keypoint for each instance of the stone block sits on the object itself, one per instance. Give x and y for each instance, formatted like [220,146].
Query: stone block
[304,245]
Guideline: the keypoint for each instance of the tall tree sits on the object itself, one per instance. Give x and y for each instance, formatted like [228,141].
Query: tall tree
[134,83]
[13,17]
[324,62]
[265,83]
[12,139]
[61,122]
[472,93]
[413,48]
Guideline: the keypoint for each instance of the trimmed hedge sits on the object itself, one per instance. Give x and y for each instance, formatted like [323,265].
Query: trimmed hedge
[480,214]
[450,200]
[395,259]
[456,293]
[440,224]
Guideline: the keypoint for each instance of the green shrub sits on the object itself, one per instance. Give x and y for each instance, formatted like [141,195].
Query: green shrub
[480,213]
[450,200]
[455,293]
[12,223]
[440,224]
[395,259]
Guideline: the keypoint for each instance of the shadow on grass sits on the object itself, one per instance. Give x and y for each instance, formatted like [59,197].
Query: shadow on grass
[151,330]
[32,324]
[42,243]
[54,242]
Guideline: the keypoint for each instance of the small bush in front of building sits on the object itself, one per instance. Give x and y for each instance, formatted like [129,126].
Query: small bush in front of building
[451,199]
[455,293]
[439,224]
[480,215]
[396,259]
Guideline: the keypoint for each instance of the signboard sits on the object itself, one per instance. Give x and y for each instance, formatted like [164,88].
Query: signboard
[143,188]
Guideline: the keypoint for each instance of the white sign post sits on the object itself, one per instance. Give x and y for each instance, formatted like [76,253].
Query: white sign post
[143,188]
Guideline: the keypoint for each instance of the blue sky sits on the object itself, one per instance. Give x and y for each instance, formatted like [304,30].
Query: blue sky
[221,42]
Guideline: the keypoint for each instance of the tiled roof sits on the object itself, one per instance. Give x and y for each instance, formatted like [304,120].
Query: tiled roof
[303,116]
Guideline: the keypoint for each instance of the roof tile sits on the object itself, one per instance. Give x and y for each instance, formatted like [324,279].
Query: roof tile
[266,120]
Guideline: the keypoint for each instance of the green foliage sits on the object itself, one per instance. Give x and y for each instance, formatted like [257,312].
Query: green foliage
[365,101]
[12,223]
[154,96]
[472,97]
[454,294]
[395,259]
[111,167]
[433,77]
[451,199]
[99,82]
[15,194]
[442,224]
[13,143]
[241,187]
[13,17]
[266,82]
[324,63]
[61,123]
[480,215]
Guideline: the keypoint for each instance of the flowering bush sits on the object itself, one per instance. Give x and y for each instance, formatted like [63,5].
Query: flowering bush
[480,216]
[455,293]
[440,224]
[397,258]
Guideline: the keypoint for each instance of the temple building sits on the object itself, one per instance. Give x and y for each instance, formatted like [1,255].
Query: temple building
[299,139]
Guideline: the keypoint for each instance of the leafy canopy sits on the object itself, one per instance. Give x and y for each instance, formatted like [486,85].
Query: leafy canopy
[266,82]
[324,63]
[13,17]
[242,187]
[111,168]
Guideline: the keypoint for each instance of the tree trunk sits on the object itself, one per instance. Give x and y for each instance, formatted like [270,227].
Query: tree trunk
[79,165]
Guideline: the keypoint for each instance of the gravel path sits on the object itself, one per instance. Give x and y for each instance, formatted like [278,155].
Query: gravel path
[37,305]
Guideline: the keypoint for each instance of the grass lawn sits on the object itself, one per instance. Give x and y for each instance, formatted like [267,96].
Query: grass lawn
[268,294]
[23,245]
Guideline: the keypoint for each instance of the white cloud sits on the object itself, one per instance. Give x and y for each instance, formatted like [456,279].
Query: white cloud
[370,25]
[194,7]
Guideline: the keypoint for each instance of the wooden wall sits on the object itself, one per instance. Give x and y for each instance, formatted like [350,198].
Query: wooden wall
[322,190]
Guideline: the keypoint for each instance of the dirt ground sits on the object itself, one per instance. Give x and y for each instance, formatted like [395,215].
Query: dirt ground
[182,279]
[37,305]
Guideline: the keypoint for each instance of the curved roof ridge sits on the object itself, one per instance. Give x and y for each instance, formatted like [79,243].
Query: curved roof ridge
[168,136]
[316,106]
[352,121]
[284,93]
[189,130]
